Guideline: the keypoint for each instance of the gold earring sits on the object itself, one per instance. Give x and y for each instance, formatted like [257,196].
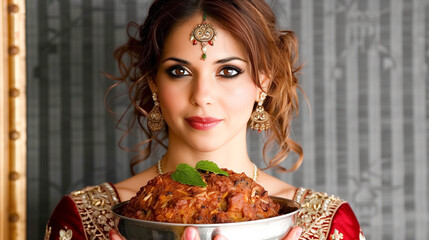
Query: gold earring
[260,119]
[155,120]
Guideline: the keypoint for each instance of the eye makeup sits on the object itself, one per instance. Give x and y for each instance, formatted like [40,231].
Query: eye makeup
[230,71]
[177,71]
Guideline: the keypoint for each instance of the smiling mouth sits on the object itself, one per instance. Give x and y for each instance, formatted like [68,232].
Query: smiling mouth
[200,123]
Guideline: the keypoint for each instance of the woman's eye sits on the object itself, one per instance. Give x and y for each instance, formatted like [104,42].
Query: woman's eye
[229,72]
[178,71]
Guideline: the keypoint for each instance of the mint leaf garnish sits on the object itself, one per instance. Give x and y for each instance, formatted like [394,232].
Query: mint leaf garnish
[210,167]
[188,175]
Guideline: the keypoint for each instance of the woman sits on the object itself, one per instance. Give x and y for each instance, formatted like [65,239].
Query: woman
[197,72]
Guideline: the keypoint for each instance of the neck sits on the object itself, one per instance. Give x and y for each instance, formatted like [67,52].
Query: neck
[232,155]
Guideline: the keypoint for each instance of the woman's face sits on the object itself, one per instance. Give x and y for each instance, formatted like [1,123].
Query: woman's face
[206,104]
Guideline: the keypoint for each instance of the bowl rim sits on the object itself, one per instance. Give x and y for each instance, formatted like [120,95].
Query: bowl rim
[294,204]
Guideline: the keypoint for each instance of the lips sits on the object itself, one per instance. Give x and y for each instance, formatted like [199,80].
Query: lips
[203,123]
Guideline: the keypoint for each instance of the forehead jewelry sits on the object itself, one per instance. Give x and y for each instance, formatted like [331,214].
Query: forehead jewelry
[203,33]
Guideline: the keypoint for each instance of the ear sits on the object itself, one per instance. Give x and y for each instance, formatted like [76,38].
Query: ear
[152,85]
[264,81]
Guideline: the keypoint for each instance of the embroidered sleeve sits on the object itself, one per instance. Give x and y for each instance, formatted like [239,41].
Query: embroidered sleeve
[93,205]
[345,225]
[65,222]
[83,214]
[317,210]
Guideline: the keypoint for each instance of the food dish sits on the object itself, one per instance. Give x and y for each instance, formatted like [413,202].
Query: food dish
[225,199]
[215,201]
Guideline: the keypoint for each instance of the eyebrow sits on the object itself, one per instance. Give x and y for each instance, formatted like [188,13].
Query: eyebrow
[217,62]
[177,60]
[229,59]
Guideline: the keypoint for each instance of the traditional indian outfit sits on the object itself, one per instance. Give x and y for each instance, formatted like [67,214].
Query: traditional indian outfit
[86,214]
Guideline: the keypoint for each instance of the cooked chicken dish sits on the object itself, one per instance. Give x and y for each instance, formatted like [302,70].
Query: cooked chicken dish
[225,199]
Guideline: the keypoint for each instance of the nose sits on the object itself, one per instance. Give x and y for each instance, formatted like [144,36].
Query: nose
[202,90]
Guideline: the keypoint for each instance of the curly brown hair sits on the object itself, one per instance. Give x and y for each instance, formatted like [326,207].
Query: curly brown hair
[271,52]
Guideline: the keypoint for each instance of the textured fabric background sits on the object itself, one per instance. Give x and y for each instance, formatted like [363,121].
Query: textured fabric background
[365,139]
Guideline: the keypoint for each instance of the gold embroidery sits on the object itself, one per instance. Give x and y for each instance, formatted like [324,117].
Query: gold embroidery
[93,204]
[48,231]
[316,212]
[337,235]
[66,235]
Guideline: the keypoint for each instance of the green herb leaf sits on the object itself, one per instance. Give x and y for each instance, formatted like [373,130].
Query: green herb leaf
[210,167]
[188,175]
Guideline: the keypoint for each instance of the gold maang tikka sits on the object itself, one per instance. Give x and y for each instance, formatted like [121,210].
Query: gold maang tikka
[203,33]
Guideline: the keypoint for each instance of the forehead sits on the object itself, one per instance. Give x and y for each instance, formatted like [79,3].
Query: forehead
[179,44]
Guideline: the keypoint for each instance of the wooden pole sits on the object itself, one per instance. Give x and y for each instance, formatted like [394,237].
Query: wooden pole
[13,124]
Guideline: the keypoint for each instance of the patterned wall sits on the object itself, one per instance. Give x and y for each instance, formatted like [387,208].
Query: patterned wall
[365,138]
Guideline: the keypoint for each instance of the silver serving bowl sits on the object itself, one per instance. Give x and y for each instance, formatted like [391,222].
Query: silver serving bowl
[273,228]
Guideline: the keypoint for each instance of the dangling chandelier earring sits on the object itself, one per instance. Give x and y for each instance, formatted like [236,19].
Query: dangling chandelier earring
[155,120]
[260,119]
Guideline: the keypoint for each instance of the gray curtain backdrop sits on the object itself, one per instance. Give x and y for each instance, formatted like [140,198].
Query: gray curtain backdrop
[365,138]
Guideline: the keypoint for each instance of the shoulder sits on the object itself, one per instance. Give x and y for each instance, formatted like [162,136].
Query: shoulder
[276,187]
[84,214]
[324,216]
[129,187]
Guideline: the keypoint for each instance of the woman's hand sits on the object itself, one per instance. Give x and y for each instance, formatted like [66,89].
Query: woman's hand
[294,234]
[114,235]
[191,233]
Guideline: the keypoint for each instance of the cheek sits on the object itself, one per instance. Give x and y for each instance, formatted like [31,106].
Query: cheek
[171,100]
[241,100]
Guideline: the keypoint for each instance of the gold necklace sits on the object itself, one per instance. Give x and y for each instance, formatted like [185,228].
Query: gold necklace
[255,170]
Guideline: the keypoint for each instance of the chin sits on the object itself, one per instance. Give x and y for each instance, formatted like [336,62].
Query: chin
[206,145]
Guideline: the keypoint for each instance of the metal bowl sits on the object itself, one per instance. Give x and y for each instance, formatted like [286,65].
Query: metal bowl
[273,228]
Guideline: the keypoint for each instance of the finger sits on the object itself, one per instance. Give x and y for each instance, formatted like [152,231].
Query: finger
[114,235]
[220,237]
[294,234]
[190,233]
